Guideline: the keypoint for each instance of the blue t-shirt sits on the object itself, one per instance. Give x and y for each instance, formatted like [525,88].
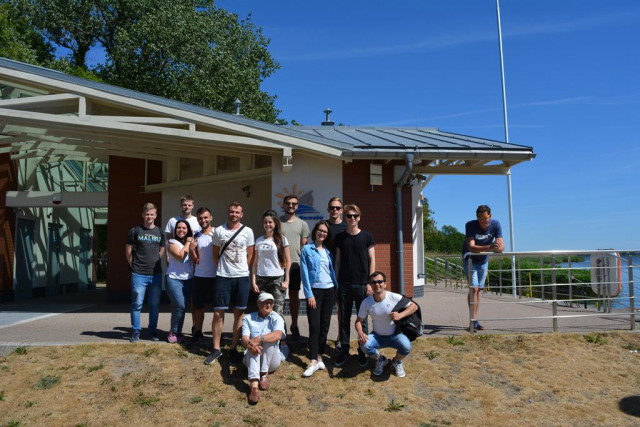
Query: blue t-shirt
[481,237]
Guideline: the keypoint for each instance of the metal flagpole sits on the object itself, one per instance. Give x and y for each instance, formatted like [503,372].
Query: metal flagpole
[506,139]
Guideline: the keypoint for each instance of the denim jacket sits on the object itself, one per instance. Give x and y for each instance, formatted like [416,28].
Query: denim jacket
[310,268]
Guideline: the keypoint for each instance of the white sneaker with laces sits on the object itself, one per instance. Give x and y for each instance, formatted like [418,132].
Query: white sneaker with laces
[380,364]
[311,369]
[321,365]
[398,368]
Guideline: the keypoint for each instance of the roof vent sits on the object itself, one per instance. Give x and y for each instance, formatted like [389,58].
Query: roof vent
[327,121]
[237,103]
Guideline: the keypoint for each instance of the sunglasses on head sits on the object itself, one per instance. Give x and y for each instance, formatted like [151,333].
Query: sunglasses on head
[352,215]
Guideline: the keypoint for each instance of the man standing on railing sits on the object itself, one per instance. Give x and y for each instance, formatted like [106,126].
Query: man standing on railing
[481,235]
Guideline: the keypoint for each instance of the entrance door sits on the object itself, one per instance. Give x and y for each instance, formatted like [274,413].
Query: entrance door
[53,264]
[25,259]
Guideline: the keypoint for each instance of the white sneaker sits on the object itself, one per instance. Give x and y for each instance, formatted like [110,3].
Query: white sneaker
[311,369]
[398,368]
[380,364]
[321,365]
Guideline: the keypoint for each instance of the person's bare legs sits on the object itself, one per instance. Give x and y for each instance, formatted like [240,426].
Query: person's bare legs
[237,327]
[216,325]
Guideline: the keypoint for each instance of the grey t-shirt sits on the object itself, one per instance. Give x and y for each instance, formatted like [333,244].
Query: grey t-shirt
[294,231]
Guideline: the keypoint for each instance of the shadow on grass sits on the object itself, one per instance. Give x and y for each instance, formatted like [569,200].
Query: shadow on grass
[630,405]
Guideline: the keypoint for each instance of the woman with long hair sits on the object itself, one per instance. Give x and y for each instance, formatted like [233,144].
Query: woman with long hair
[320,286]
[179,274]
[271,262]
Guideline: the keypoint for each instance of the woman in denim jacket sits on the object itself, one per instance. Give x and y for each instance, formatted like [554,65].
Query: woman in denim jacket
[320,286]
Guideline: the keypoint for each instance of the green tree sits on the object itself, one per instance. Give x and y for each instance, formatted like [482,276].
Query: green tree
[18,40]
[448,240]
[186,50]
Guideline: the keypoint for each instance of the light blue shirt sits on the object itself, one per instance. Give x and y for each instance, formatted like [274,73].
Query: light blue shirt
[311,269]
[253,325]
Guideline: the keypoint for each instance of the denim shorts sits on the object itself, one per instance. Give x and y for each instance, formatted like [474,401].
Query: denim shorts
[231,292]
[478,274]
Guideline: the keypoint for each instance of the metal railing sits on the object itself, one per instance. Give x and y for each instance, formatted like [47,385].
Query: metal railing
[600,282]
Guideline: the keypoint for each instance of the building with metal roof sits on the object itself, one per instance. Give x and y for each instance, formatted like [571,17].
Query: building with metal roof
[76,154]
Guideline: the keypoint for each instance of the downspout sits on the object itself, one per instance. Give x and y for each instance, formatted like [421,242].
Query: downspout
[409,168]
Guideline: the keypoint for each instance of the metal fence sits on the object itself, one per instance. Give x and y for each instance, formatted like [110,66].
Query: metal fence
[600,283]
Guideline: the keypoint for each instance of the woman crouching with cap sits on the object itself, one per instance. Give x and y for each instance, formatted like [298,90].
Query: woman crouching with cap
[261,332]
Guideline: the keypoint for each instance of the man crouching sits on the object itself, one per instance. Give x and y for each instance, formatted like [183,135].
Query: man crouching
[261,332]
[379,306]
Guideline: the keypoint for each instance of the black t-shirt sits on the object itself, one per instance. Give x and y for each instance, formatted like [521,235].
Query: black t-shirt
[335,229]
[146,249]
[354,256]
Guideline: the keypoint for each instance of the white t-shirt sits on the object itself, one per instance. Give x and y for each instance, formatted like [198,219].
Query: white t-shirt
[233,262]
[171,225]
[379,312]
[267,253]
[205,266]
[179,269]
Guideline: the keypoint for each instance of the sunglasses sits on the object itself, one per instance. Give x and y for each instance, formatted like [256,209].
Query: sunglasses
[352,216]
[291,204]
[376,282]
[335,208]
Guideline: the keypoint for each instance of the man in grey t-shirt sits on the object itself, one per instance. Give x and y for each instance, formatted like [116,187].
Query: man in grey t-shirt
[297,232]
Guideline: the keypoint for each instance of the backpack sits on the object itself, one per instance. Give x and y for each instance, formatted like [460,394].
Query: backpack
[410,326]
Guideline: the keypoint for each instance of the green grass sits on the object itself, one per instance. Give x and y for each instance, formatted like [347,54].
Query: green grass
[20,350]
[394,406]
[595,338]
[47,382]
[455,341]
[96,367]
[143,400]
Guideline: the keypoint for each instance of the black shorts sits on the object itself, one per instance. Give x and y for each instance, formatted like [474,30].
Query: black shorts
[202,291]
[294,277]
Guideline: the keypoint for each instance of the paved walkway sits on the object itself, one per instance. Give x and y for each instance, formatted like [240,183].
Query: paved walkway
[85,317]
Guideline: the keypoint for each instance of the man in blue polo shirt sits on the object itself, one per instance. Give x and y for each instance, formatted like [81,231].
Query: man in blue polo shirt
[481,235]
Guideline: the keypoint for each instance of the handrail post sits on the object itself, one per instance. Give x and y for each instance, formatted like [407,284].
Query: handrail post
[446,272]
[632,308]
[570,282]
[472,304]
[554,293]
[435,271]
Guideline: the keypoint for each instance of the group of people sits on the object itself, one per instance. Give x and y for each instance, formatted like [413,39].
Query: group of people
[334,262]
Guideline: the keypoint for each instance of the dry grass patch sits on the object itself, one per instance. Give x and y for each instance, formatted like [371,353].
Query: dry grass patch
[548,379]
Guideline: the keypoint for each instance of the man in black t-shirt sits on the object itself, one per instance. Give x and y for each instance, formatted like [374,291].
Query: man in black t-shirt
[355,261]
[144,248]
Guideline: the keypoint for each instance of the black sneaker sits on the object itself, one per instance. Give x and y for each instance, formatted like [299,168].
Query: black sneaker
[154,336]
[362,358]
[342,359]
[196,336]
[338,345]
[235,356]
[212,357]
[295,333]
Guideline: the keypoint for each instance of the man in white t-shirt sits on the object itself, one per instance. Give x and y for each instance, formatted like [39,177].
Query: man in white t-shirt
[232,253]
[201,251]
[380,307]
[186,207]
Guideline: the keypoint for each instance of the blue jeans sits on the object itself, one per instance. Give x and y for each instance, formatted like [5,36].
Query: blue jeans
[398,341]
[478,273]
[179,292]
[140,283]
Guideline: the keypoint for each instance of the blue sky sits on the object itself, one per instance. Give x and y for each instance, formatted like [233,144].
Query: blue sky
[573,93]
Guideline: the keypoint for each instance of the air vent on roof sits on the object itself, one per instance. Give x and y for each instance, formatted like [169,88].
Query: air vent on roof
[237,103]
[327,120]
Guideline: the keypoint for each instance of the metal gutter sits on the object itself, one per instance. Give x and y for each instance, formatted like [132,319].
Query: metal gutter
[403,179]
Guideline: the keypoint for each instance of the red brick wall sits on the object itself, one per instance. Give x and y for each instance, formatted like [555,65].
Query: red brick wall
[379,218]
[8,182]
[126,183]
